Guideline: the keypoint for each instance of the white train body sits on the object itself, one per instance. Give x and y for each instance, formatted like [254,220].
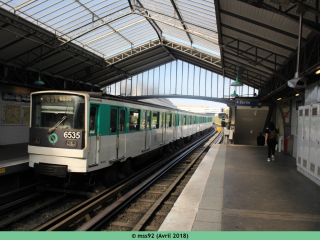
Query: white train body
[100,131]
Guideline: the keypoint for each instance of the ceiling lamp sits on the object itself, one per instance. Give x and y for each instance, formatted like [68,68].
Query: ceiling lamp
[237,83]
[297,94]
[318,72]
[279,98]
[234,94]
[39,81]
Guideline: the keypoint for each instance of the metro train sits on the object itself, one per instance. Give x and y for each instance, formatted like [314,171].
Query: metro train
[99,137]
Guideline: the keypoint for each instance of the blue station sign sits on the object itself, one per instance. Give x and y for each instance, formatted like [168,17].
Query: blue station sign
[15,97]
[251,103]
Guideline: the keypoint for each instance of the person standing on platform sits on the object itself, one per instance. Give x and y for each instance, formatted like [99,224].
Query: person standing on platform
[271,140]
[260,140]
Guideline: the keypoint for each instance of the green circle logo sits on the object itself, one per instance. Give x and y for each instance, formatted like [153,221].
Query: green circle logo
[53,138]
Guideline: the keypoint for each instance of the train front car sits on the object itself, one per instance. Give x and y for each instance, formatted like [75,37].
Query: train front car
[57,139]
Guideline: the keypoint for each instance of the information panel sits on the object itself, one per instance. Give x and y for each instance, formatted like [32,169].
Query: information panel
[15,115]
[25,115]
[11,115]
[246,103]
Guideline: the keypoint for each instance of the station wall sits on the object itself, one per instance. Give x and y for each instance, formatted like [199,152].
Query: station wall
[290,110]
[14,114]
[249,122]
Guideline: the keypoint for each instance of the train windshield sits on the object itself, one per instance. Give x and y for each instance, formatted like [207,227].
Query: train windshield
[50,109]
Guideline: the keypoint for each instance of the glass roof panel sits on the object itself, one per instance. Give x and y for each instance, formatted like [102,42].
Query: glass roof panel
[109,27]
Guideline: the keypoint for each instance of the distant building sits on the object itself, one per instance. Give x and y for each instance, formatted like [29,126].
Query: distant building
[200,109]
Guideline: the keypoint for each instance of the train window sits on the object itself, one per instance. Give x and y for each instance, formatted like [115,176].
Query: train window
[181,120]
[113,120]
[173,120]
[134,120]
[155,120]
[185,120]
[169,115]
[122,120]
[48,109]
[194,119]
[93,111]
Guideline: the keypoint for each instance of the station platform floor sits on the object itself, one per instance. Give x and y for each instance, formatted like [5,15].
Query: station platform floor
[13,158]
[236,189]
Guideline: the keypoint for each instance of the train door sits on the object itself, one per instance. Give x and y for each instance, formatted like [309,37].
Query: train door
[94,136]
[117,136]
[163,127]
[174,126]
[181,125]
[146,134]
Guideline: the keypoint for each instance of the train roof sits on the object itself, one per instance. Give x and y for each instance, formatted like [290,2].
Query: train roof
[101,95]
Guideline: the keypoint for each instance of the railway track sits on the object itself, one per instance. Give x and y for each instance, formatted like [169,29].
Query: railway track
[22,202]
[27,202]
[148,204]
[91,209]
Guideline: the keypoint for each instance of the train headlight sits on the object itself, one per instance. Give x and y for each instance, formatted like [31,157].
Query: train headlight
[71,144]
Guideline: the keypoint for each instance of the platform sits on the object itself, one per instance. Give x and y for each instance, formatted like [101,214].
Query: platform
[13,158]
[236,189]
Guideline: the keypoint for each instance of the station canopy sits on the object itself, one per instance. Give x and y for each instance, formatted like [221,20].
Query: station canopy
[102,42]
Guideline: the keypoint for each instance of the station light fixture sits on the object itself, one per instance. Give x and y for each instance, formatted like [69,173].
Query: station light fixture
[39,81]
[234,94]
[297,94]
[237,83]
[318,71]
[279,98]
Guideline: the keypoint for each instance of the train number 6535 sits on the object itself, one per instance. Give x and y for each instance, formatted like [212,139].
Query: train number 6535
[74,135]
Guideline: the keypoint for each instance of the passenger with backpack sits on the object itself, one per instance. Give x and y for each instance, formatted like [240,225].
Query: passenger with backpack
[272,135]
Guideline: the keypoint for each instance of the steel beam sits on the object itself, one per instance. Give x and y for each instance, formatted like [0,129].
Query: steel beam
[95,15]
[258,47]
[168,20]
[181,19]
[58,63]
[221,100]
[88,28]
[15,42]
[153,23]
[218,15]
[16,21]
[258,37]
[259,64]
[250,66]
[288,34]
[307,23]
[257,57]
